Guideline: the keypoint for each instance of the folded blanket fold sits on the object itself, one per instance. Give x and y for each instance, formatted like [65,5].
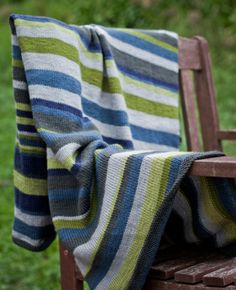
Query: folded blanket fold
[97,126]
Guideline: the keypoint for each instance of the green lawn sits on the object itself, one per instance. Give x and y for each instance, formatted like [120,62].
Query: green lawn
[216,20]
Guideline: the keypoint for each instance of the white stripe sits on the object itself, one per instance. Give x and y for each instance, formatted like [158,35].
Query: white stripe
[139,91]
[116,132]
[55,95]
[183,208]
[71,218]
[36,220]
[51,62]
[142,54]
[67,151]
[29,134]
[141,145]
[26,239]
[20,85]
[152,122]
[14,40]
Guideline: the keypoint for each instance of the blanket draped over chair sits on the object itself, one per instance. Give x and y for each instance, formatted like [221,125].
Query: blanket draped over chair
[96,155]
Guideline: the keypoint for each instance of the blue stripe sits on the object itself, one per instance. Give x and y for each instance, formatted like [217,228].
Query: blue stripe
[59,106]
[53,79]
[35,233]
[32,204]
[142,44]
[156,137]
[107,116]
[16,52]
[148,79]
[64,194]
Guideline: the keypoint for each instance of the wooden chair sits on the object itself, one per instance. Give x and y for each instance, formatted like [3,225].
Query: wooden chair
[188,272]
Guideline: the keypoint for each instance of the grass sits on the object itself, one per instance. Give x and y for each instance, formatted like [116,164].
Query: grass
[22,270]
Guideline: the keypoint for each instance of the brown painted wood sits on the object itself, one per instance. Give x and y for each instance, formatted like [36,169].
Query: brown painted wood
[195,273]
[226,135]
[69,272]
[167,269]
[224,166]
[189,110]
[221,277]
[189,57]
[206,99]
[172,285]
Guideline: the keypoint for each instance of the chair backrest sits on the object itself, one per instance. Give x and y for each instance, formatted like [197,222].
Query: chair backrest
[198,95]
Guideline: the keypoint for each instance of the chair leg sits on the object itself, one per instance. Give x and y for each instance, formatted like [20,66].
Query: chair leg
[70,279]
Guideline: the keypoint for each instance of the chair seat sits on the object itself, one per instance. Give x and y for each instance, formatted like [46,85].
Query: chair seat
[192,269]
[224,166]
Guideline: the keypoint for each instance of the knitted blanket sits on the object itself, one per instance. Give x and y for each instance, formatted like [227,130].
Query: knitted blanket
[97,123]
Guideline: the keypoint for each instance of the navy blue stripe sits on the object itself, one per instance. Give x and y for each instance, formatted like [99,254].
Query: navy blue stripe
[107,116]
[156,137]
[53,79]
[148,79]
[26,128]
[126,144]
[30,165]
[26,114]
[58,172]
[32,142]
[33,232]
[32,204]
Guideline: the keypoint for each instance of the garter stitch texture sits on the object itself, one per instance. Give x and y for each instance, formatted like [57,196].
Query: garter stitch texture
[96,156]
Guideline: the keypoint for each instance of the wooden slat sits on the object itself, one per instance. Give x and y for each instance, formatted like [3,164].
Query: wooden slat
[189,54]
[167,269]
[195,273]
[221,277]
[206,100]
[226,135]
[189,110]
[172,285]
[224,166]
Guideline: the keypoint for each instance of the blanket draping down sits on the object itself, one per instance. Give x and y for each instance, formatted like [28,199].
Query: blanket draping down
[96,155]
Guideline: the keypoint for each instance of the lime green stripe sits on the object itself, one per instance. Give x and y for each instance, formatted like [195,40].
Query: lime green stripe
[23,107]
[25,121]
[151,39]
[17,63]
[151,107]
[53,163]
[30,186]
[157,181]
[48,45]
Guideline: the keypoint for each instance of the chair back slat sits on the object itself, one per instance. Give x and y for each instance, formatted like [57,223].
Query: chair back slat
[194,56]
[189,110]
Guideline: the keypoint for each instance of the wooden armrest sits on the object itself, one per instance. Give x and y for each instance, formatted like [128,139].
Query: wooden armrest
[226,134]
[224,166]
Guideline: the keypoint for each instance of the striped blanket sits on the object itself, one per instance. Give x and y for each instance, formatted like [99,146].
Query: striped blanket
[96,155]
